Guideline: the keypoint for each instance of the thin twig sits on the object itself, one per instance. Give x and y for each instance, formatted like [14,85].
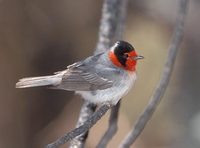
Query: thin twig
[82,129]
[112,129]
[162,85]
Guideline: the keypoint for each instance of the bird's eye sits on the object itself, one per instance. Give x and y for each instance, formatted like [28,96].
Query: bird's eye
[126,55]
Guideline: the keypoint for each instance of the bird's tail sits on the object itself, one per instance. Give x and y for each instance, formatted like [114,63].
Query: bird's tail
[39,81]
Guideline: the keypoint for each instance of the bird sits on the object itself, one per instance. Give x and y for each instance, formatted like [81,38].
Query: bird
[102,78]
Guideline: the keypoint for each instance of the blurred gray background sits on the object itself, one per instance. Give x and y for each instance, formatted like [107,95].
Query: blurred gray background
[39,37]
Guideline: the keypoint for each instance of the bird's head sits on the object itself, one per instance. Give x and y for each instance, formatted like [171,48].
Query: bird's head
[123,54]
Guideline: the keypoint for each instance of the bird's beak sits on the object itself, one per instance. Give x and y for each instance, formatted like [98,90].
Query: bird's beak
[138,57]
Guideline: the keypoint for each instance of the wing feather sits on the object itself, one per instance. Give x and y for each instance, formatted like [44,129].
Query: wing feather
[78,80]
[81,76]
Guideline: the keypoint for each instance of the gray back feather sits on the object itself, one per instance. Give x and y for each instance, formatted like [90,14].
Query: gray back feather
[94,73]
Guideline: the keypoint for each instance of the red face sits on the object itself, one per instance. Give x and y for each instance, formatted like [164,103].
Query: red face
[130,63]
[123,55]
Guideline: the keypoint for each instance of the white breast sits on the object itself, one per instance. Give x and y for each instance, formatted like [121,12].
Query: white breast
[111,95]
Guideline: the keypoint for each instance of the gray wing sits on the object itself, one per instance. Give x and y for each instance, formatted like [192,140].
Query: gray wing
[83,76]
[78,80]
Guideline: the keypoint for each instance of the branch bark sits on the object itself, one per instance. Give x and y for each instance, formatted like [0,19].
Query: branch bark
[81,129]
[162,85]
[111,23]
[87,110]
[112,128]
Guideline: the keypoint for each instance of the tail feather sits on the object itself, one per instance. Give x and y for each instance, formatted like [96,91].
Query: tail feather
[39,81]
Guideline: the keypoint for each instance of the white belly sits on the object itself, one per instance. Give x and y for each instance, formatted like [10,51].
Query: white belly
[111,95]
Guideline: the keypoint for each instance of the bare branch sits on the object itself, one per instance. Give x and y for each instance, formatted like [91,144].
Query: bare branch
[110,23]
[111,29]
[86,111]
[121,20]
[83,128]
[112,129]
[162,85]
